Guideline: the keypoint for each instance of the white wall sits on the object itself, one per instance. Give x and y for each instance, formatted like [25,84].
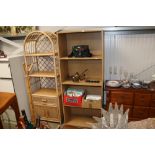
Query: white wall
[133,52]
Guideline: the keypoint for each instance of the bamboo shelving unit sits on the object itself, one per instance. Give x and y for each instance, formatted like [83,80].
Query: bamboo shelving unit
[42,76]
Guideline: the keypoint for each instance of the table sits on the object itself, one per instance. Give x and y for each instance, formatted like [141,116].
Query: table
[6,100]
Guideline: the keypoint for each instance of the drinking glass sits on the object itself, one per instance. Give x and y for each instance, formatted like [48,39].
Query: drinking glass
[110,71]
[121,72]
[125,75]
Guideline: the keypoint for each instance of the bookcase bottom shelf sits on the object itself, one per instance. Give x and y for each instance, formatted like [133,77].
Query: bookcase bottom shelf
[80,121]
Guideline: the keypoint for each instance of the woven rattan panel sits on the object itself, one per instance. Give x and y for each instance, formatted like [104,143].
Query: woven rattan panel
[44,45]
[45,64]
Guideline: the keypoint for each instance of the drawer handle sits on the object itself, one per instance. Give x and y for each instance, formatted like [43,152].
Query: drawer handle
[44,100]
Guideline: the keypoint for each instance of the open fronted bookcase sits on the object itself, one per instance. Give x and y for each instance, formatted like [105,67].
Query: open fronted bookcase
[78,116]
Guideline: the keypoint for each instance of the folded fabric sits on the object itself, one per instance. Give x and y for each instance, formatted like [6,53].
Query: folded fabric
[93,97]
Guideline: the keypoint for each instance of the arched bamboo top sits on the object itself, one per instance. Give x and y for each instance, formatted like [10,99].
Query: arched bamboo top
[35,35]
[40,42]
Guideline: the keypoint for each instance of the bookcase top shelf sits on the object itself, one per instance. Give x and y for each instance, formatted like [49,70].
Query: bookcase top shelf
[82,58]
[81,31]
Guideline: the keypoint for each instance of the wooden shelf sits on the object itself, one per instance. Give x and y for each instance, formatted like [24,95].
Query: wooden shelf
[40,54]
[83,83]
[81,30]
[81,116]
[80,121]
[43,74]
[47,92]
[81,107]
[49,119]
[82,58]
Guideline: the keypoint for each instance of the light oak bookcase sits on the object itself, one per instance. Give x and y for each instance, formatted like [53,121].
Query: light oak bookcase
[78,116]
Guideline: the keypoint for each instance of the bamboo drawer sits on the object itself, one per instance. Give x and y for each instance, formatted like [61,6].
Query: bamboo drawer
[46,111]
[45,100]
[153,96]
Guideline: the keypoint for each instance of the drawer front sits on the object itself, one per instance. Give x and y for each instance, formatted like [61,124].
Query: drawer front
[122,98]
[152,112]
[6,85]
[153,103]
[5,70]
[142,99]
[153,96]
[48,100]
[46,111]
[141,112]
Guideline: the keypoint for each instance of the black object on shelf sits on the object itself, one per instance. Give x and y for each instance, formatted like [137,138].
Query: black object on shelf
[93,81]
[80,51]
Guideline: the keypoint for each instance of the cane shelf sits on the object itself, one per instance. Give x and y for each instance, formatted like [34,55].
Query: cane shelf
[40,54]
[42,76]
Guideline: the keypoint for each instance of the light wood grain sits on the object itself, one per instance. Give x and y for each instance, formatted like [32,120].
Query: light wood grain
[80,121]
[80,30]
[39,54]
[38,44]
[45,92]
[47,112]
[81,83]
[78,116]
[43,74]
[97,57]
[83,107]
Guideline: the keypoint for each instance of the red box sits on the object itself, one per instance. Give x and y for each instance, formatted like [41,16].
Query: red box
[73,101]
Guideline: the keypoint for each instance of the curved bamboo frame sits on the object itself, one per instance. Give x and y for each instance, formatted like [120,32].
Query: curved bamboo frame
[30,47]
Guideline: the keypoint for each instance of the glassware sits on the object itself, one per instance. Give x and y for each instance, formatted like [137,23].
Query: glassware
[110,71]
[131,77]
[125,75]
[115,70]
[121,72]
